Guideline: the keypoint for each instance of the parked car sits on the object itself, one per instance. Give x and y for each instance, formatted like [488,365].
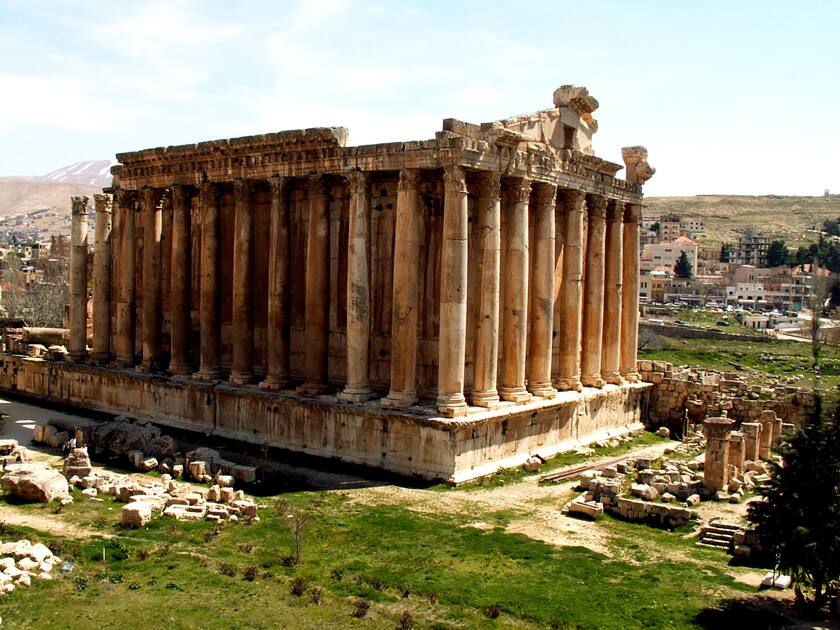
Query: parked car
[722,322]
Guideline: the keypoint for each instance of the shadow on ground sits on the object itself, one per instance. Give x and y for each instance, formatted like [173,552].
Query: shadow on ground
[760,612]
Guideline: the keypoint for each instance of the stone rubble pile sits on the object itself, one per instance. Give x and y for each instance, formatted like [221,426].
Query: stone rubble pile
[20,561]
[12,453]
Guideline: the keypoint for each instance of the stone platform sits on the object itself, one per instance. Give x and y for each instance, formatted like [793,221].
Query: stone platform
[416,442]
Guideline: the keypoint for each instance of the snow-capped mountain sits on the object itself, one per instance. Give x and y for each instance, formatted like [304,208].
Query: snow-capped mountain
[90,172]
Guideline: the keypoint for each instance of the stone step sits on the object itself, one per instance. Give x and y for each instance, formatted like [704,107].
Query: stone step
[722,525]
[711,536]
[712,545]
[721,531]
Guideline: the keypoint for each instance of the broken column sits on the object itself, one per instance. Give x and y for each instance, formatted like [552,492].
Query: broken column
[736,450]
[768,422]
[752,440]
[716,475]
[78,278]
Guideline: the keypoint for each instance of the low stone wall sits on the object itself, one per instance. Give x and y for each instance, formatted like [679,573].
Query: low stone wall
[411,442]
[705,393]
[647,330]
[659,514]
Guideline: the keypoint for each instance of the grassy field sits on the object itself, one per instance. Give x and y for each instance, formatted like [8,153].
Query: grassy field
[414,570]
[707,319]
[787,218]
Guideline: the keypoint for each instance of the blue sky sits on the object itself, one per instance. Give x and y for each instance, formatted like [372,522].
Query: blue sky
[729,97]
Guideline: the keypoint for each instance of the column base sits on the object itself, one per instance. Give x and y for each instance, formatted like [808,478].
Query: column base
[101,359]
[145,367]
[569,384]
[78,357]
[241,378]
[632,376]
[312,389]
[518,394]
[452,405]
[274,383]
[593,380]
[614,379]
[543,390]
[123,363]
[488,399]
[399,400]
[208,375]
[180,369]
[355,394]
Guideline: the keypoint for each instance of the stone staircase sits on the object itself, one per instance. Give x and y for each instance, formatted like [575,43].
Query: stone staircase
[719,535]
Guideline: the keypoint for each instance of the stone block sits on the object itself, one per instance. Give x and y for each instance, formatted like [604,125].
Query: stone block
[586,508]
[136,515]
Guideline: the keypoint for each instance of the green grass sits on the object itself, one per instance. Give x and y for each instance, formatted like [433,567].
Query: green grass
[168,575]
[707,319]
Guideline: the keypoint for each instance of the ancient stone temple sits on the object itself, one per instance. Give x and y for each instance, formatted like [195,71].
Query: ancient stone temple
[437,307]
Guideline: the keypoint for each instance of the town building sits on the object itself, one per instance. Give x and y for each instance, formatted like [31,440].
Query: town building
[666,253]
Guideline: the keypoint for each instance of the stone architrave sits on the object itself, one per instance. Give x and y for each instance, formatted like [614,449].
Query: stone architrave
[317,289]
[209,306]
[630,294]
[357,389]
[405,294]
[78,278]
[277,335]
[716,466]
[515,198]
[180,288]
[151,207]
[102,280]
[127,265]
[453,294]
[541,309]
[486,347]
[593,295]
[242,372]
[613,276]
[571,291]
[752,440]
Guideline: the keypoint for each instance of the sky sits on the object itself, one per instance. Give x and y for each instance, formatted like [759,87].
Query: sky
[729,97]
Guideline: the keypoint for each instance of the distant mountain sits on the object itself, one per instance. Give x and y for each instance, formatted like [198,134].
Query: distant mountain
[91,172]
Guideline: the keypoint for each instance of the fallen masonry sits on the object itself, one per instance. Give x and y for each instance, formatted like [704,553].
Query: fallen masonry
[21,560]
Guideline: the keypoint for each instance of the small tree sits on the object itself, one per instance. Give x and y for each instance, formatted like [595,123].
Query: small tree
[799,518]
[683,268]
[777,254]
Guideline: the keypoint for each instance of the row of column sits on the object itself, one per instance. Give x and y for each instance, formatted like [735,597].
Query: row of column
[597,336]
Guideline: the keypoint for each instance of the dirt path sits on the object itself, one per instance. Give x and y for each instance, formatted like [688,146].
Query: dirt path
[52,524]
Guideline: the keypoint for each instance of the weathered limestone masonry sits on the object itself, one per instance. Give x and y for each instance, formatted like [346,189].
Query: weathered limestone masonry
[431,307]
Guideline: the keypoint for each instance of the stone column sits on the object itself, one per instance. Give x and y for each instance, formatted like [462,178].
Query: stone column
[317,288]
[630,294]
[127,268]
[242,371]
[613,267]
[102,280]
[277,335]
[542,294]
[593,295]
[209,316]
[486,347]
[736,450]
[571,291]
[515,322]
[404,307]
[768,421]
[152,232]
[357,388]
[78,278]
[180,288]
[452,336]
[716,467]
[752,440]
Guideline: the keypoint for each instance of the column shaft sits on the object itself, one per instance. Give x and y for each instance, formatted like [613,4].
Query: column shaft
[558,323]
[613,263]
[78,278]
[571,291]
[128,268]
[102,280]
[358,292]
[542,294]
[209,318]
[404,305]
[486,347]
[242,371]
[180,296]
[515,322]
[630,293]
[593,295]
[453,294]
[152,231]
[317,289]
[277,337]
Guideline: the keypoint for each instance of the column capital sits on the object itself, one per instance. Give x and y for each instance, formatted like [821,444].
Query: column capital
[125,198]
[181,195]
[79,205]
[102,202]
[148,196]
[573,200]
[518,189]
[615,211]
[632,213]
[318,185]
[279,185]
[489,185]
[454,178]
[596,207]
[242,189]
[409,179]
[545,194]
[357,182]
[209,193]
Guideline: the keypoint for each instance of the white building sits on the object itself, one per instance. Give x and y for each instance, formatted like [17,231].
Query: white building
[666,253]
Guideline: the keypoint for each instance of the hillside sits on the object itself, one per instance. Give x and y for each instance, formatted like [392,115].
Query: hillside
[92,172]
[789,218]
